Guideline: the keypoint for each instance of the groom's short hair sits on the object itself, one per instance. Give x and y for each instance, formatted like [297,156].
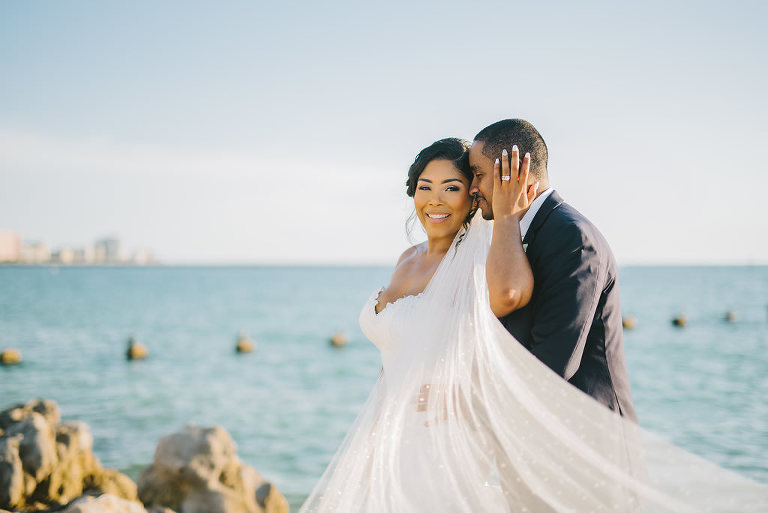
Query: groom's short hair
[503,134]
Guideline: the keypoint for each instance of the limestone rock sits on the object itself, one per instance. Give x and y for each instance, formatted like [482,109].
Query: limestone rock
[104,504]
[158,509]
[112,482]
[155,490]
[38,447]
[11,472]
[197,471]
[195,455]
[77,465]
[271,500]
[45,407]
[46,464]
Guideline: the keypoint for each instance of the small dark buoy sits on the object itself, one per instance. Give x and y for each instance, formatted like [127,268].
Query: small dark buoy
[10,356]
[136,350]
[629,322]
[339,340]
[244,345]
[730,316]
[679,321]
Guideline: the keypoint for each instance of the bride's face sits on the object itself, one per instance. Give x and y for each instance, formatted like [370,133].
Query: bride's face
[442,199]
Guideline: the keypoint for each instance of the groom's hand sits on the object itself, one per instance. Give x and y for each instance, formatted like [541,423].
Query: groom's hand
[507,271]
[512,195]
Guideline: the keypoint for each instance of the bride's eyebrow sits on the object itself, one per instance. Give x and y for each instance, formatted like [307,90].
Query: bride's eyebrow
[444,181]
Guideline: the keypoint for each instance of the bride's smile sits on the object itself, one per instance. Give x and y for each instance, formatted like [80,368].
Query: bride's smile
[437,218]
[442,199]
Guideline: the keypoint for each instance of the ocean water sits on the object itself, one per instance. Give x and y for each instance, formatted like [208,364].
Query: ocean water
[288,404]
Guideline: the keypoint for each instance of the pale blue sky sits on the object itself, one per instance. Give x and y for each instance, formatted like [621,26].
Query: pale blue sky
[281,132]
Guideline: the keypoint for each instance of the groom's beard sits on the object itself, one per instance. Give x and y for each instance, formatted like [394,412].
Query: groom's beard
[485,208]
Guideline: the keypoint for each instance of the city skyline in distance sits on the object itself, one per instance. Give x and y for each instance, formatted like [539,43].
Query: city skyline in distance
[107,250]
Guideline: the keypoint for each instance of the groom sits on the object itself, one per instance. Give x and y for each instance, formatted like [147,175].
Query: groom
[573,320]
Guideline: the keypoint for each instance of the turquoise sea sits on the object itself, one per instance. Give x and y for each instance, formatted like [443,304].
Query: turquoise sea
[288,404]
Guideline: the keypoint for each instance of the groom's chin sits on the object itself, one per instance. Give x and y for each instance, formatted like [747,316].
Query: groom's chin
[487,214]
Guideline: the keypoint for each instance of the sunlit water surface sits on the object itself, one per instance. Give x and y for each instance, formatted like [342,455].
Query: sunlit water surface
[288,404]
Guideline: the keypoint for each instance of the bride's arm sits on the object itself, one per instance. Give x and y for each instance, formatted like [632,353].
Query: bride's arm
[509,275]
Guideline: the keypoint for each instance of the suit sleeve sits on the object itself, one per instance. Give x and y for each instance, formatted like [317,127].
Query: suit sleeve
[569,292]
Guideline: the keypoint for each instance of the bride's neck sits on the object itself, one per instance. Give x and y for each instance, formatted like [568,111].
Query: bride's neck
[439,245]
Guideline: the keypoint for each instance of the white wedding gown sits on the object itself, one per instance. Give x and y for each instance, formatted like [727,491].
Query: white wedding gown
[464,419]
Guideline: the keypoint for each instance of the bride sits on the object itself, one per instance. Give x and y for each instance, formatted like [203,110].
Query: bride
[464,419]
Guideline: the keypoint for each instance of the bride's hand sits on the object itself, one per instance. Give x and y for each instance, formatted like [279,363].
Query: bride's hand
[512,196]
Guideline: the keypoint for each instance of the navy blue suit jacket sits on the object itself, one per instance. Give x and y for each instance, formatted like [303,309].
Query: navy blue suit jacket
[573,321]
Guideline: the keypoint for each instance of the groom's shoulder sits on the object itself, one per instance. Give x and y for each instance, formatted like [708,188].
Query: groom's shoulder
[564,220]
[566,216]
[572,228]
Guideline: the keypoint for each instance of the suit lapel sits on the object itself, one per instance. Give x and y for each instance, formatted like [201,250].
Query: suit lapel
[550,204]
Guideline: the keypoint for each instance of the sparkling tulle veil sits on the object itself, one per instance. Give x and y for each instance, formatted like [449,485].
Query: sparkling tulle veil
[463,418]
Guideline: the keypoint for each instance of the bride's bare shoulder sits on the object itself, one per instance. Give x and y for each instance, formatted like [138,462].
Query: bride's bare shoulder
[410,253]
[403,270]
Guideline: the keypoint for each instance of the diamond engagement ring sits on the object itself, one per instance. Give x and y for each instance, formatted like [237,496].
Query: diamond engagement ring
[506,178]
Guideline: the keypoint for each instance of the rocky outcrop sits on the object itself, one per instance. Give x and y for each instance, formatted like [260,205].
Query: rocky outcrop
[49,465]
[196,470]
[45,463]
[104,504]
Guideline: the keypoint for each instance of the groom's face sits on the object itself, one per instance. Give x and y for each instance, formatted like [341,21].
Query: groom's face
[482,183]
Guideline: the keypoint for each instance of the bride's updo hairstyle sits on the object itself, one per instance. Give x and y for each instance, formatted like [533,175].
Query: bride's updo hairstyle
[451,148]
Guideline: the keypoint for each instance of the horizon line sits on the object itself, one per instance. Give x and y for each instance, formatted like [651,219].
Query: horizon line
[346,264]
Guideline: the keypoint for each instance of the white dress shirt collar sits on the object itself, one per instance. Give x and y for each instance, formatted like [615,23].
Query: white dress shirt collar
[527,219]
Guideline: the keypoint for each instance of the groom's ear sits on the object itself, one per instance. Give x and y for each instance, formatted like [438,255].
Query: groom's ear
[533,189]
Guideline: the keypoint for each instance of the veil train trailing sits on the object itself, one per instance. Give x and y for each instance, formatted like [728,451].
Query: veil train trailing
[464,419]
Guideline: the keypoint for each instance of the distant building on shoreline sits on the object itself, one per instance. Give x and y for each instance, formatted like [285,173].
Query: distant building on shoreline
[104,251]
[10,246]
[35,252]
